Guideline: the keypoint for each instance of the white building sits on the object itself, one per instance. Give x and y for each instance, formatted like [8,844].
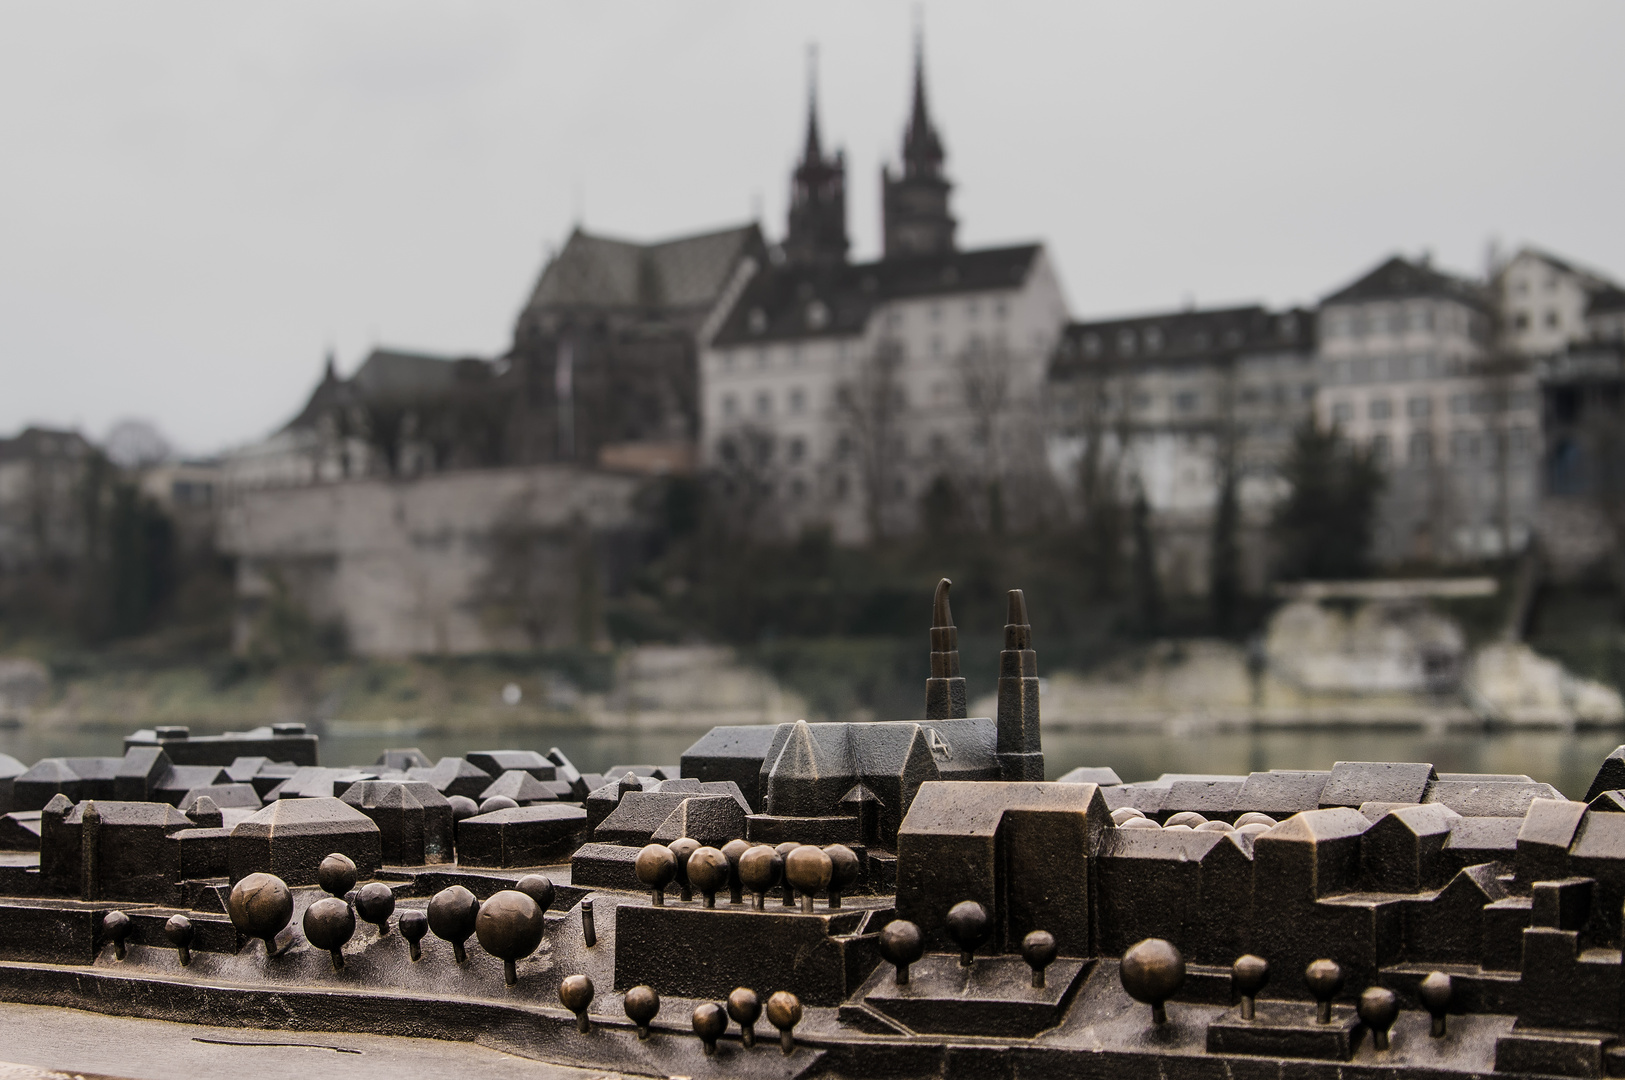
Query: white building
[1548,303]
[1406,372]
[839,394]
[1175,399]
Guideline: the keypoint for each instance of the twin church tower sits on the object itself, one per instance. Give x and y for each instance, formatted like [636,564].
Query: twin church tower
[914,204]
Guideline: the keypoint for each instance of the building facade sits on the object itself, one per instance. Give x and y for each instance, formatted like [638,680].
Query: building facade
[838,394]
[1410,371]
[1169,406]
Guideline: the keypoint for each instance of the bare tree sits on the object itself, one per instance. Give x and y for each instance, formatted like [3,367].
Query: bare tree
[871,406]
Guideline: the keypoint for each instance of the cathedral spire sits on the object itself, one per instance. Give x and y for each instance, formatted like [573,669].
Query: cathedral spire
[922,147]
[817,233]
[914,203]
[814,151]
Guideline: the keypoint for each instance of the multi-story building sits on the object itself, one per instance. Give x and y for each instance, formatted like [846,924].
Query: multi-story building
[838,394]
[48,500]
[1547,303]
[1170,405]
[1410,372]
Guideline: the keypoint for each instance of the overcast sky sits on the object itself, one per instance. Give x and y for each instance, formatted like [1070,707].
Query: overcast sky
[197,200]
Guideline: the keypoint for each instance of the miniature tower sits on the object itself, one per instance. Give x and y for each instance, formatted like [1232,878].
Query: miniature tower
[945,689]
[1020,747]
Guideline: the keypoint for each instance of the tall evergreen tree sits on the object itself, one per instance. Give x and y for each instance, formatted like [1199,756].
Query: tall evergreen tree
[1324,528]
[1224,556]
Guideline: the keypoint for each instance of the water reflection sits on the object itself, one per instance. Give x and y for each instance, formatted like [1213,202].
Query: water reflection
[1566,760]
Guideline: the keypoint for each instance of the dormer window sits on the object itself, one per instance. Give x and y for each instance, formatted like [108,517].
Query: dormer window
[1153,338]
[757,320]
[1125,342]
[1091,345]
[817,315]
[950,275]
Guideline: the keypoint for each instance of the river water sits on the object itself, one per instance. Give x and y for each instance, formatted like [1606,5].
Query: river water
[1566,760]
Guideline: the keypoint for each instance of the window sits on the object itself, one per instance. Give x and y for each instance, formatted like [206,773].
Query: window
[761,359]
[1153,338]
[1250,395]
[1343,411]
[795,356]
[936,312]
[1421,452]
[798,488]
[840,486]
[1142,401]
[1551,319]
[1125,342]
[1521,441]
[1360,371]
[1381,451]
[798,400]
[1459,404]
[1187,400]
[728,451]
[843,447]
[1380,409]
[727,361]
[936,345]
[999,309]
[1464,446]
[1418,407]
[972,309]
[939,444]
[1091,344]
[757,320]
[900,488]
[817,315]
[797,448]
[729,405]
[764,403]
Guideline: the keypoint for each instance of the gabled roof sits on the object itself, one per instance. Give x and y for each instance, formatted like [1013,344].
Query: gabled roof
[600,272]
[1175,337]
[392,375]
[791,302]
[1401,279]
[1590,279]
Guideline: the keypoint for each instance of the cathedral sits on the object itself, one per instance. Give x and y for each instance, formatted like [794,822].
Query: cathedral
[837,394]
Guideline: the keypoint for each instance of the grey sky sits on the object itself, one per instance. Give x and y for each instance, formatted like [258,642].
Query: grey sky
[197,199]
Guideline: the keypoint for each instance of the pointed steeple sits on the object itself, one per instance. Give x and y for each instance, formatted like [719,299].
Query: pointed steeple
[922,147]
[914,203]
[813,152]
[817,232]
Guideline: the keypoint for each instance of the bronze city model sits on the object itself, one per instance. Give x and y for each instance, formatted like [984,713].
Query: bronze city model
[898,899]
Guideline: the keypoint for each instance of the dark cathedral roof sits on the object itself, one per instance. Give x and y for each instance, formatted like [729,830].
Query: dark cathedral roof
[1177,337]
[787,302]
[388,375]
[602,273]
[1400,279]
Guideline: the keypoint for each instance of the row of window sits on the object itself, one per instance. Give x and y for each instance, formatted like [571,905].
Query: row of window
[1375,321]
[971,307]
[795,403]
[1150,339]
[1466,447]
[1417,408]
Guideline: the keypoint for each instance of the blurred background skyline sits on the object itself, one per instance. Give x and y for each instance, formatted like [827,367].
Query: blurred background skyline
[201,202]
